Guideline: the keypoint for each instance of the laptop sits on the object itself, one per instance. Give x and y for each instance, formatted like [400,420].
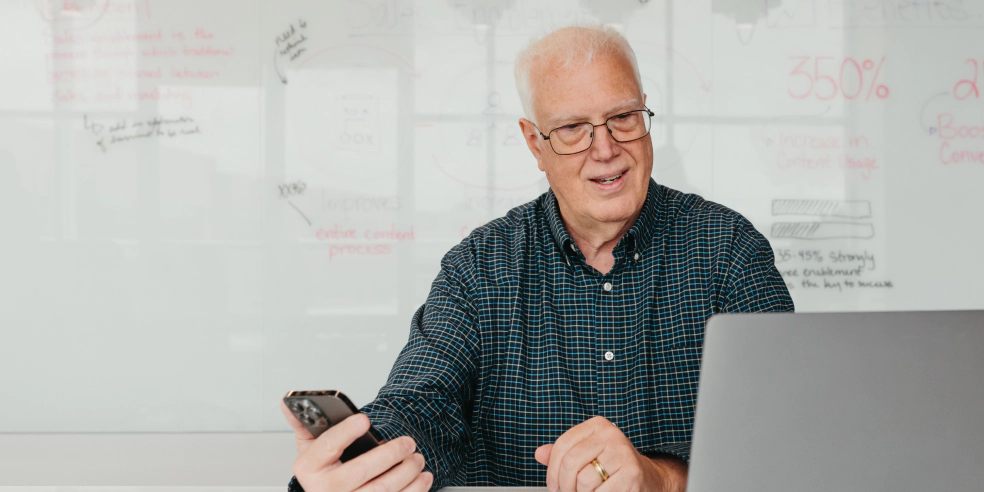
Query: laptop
[841,402]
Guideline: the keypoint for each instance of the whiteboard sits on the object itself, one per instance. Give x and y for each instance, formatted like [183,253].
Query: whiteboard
[207,204]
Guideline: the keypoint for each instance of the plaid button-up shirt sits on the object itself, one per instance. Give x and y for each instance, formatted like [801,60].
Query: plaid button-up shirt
[520,340]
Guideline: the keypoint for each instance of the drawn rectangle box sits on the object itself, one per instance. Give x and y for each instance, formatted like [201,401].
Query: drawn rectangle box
[822,230]
[848,209]
[360,123]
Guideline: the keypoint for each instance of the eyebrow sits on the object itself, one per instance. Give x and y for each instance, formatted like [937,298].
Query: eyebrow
[633,103]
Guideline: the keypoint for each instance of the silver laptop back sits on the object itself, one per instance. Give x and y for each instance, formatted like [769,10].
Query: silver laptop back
[841,402]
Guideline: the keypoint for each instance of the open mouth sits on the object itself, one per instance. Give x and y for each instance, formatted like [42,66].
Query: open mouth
[607,180]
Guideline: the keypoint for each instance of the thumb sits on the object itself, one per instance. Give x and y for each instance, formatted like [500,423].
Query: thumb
[542,454]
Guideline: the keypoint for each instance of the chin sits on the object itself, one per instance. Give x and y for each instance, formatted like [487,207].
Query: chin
[617,210]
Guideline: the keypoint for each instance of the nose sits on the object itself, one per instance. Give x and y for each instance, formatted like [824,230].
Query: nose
[604,147]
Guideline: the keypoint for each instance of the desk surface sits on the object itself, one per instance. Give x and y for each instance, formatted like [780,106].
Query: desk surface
[246,462]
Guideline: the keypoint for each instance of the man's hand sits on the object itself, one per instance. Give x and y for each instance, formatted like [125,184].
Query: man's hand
[569,467]
[391,467]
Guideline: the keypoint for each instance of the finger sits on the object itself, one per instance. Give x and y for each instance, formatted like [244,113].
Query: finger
[422,483]
[397,478]
[577,458]
[300,432]
[542,454]
[565,442]
[617,484]
[328,447]
[621,474]
[368,466]
[588,479]
[613,460]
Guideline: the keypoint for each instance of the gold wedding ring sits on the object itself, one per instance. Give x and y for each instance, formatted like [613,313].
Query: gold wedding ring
[600,469]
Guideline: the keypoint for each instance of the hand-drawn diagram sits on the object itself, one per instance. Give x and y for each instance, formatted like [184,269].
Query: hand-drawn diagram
[295,188]
[955,123]
[851,209]
[843,262]
[657,64]
[360,123]
[815,230]
[484,150]
[822,230]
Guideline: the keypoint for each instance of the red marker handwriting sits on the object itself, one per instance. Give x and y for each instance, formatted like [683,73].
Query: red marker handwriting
[968,87]
[819,77]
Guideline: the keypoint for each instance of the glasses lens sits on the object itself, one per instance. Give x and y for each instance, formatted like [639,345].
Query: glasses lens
[630,126]
[571,139]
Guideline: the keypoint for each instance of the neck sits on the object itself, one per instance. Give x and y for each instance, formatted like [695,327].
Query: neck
[596,240]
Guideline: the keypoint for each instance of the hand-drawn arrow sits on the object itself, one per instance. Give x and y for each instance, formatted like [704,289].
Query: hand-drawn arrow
[299,211]
[276,68]
[922,111]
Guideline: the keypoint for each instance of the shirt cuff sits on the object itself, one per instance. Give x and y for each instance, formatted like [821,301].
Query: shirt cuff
[679,450]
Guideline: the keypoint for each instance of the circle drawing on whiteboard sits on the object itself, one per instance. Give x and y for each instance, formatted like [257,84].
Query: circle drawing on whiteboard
[672,141]
[479,144]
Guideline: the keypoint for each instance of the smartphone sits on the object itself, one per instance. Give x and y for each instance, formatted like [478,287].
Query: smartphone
[319,410]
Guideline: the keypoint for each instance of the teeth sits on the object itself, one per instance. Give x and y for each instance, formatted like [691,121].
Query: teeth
[611,179]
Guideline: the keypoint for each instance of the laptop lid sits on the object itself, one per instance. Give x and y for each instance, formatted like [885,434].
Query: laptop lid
[841,402]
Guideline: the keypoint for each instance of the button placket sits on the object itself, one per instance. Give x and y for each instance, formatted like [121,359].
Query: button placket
[609,369]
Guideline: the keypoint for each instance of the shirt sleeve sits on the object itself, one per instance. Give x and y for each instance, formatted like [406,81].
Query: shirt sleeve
[429,391]
[679,450]
[752,283]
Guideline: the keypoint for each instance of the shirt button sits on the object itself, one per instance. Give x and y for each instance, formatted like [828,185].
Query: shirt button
[636,257]
[607,286]
[609,356]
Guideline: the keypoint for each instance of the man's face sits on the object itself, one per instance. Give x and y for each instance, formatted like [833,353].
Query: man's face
[604,88]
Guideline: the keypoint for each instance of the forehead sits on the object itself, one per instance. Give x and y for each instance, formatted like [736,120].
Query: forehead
[584,92]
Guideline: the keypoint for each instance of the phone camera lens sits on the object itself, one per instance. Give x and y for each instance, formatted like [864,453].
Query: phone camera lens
[307,419]
[295,407]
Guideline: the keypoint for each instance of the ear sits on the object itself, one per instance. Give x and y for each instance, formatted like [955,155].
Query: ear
[532,136]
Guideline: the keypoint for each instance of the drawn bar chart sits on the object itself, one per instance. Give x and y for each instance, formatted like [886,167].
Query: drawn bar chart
[822,230]
[848,209]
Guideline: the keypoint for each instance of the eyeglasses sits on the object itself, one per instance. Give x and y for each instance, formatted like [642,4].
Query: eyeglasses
[578,137]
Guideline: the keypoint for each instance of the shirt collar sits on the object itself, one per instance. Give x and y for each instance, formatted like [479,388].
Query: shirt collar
[647,224]
[638,237]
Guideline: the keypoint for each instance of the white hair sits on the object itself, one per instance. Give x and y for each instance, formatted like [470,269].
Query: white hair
[565,47]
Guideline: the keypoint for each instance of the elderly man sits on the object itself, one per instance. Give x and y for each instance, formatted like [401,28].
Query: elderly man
[562,342]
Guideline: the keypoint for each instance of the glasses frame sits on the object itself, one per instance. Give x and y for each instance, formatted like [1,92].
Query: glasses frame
[593,126]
